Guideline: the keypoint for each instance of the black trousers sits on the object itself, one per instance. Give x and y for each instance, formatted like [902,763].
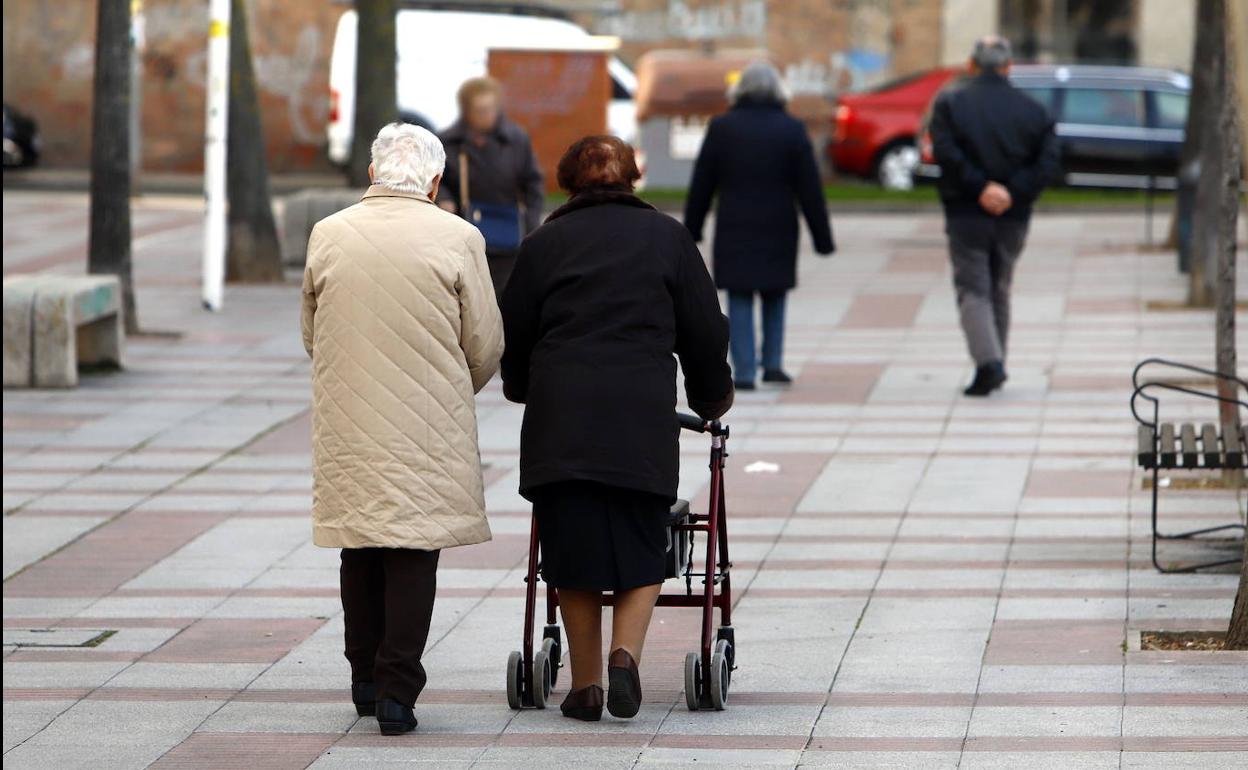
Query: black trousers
[501,262]
[387,603]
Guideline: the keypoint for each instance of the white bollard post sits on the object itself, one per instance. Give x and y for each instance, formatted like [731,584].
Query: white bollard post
[215,153]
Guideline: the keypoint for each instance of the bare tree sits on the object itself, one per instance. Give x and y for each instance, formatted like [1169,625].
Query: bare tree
[109,241]
[376,102]
[1208,24]
[253,254]
[1233,113]
[1210,62]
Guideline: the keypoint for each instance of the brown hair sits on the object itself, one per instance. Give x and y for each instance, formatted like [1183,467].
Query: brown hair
[472,88]
[597,161]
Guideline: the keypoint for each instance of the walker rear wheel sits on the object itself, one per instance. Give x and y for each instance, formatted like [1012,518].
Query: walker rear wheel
[553,646]
[692,680]
[515,680]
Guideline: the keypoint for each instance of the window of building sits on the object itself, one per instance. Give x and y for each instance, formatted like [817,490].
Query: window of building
[1071,31]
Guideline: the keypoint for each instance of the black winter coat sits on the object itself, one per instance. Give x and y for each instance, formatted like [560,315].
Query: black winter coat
[758,159]
[504,170]
[603,294]
[985,130]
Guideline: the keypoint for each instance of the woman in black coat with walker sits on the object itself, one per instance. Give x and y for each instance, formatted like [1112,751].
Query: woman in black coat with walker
[758,159]
[605,296]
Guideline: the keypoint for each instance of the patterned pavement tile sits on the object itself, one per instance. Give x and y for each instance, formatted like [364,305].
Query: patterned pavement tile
[921,580]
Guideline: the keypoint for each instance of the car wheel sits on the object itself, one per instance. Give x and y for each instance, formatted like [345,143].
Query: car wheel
[896,167]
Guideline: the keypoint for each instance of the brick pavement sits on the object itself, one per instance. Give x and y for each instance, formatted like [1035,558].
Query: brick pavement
[926,582]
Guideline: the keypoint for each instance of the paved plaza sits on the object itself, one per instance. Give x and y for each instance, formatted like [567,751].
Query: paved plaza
[923,581]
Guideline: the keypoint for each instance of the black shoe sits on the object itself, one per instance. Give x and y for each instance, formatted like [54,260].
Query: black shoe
[364,696]
[624,695]
[988,378]
[743,384]
[394,718]
[584,704]
[777,376]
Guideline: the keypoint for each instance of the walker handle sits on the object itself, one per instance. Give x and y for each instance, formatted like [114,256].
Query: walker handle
[691,422]
[698,425]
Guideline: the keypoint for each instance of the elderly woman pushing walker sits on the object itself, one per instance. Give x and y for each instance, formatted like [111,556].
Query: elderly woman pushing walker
[605,296]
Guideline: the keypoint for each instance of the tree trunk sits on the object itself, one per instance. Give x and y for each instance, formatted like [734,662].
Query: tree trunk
[1232,120]
[1206,226]
[1208,22]
[1237,632]
[108,249]
[253,254]
[376,102]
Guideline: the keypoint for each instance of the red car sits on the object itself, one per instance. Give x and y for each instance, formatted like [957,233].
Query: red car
[876,131]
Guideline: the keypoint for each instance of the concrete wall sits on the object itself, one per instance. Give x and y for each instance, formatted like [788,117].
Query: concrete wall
[962,23]
[1167,29]
[49,62]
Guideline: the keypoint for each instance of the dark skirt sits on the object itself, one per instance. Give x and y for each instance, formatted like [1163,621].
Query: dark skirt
[597,537]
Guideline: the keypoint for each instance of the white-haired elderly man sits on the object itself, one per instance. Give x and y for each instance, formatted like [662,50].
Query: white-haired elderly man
[400,320]
[997,151]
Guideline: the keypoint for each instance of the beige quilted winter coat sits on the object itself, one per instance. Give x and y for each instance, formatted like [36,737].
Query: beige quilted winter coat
[401,323]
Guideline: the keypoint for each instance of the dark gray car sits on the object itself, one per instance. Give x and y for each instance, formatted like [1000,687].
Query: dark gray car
[1116,126]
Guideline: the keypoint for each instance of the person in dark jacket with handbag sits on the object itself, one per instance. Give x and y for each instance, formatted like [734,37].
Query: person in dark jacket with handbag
[758,159]
[606,295]
[492,176]
[997,150]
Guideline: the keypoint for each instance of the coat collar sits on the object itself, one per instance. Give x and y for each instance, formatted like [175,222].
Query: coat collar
[502,131]
[757,103]
[377,191]
[599,196]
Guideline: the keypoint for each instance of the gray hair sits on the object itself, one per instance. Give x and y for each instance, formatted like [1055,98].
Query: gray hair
[406,158]
[759,81]
[992,53]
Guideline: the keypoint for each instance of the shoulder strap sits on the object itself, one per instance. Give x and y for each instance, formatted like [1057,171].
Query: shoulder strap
[463,182]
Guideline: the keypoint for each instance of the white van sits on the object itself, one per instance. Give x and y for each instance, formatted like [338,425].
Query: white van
[438,50]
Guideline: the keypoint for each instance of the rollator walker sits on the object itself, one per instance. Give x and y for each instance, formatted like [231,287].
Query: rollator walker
[532,674]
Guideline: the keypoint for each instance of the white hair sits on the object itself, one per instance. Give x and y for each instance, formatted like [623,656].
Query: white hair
[759,81]
[406,158]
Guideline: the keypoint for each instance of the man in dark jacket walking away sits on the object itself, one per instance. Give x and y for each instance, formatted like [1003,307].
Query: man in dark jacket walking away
[997,151]
[759,160]
[492,176]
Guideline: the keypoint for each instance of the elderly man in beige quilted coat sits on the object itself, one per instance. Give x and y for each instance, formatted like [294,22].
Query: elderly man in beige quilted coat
[400,320]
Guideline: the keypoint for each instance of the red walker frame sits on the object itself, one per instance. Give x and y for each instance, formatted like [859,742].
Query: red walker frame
[532,674]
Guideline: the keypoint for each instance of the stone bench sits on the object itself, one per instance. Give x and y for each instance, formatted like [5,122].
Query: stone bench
[301,211]
[53,323]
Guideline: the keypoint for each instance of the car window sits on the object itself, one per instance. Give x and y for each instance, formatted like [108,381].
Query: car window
[1042,95]
[1104,107]
[1171,109]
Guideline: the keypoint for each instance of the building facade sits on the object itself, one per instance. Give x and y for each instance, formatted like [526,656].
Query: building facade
[822,46]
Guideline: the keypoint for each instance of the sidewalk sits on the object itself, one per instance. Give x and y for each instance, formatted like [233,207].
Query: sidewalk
[926,582]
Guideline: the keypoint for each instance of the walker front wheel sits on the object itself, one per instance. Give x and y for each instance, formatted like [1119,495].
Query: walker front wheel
[515,680]
[541,678]
[719,681]
[693,662]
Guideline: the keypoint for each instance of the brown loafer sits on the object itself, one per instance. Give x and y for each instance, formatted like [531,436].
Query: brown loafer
[584,704]
[624,695]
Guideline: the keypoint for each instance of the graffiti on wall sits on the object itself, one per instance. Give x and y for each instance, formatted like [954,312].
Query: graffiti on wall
[293,76]
[724,20]
[865,62]
[171,51]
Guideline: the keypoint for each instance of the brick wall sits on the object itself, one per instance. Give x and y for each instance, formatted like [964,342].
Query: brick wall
[49,61]
[822,46]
